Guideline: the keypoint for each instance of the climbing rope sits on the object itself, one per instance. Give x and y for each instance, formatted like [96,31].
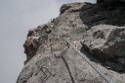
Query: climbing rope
[106,78]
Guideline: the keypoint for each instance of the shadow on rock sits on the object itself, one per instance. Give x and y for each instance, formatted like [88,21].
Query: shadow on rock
[103,13]
[111,64]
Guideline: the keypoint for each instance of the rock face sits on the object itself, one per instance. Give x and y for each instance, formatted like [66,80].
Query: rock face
[106,42]
[105,35]
[96,30]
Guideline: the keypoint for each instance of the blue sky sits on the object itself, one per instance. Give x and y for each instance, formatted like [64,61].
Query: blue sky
[16,18]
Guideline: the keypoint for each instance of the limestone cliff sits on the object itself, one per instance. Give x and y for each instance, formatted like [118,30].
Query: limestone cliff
[96,30]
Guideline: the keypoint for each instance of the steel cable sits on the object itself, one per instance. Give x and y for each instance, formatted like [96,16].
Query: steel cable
[106,78]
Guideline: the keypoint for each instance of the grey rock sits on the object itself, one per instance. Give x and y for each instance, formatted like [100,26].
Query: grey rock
[48,55]
[106,41]
[104,37]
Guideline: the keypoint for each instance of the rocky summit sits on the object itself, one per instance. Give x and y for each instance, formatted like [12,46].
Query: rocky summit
[84,44]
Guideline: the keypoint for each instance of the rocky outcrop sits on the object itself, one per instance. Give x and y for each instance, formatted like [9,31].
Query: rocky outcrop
[106,43]
[105,35]
[35,38]
[96,30]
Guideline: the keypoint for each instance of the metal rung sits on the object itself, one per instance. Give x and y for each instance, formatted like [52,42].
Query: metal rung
[43,69]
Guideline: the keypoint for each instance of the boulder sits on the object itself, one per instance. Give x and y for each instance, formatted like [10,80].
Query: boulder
[104,36]
[106,42]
